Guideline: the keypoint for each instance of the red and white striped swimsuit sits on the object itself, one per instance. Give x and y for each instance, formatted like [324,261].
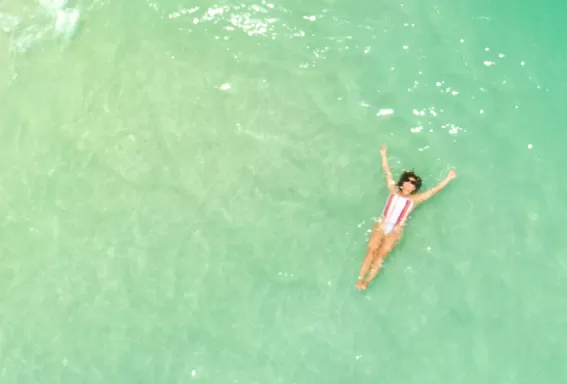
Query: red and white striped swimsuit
[396,211]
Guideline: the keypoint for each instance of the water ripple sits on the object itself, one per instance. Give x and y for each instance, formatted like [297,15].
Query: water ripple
[26,24]
[408,66]
[254,20]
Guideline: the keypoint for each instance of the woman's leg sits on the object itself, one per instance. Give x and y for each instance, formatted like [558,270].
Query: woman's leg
[389,242]
[374,242]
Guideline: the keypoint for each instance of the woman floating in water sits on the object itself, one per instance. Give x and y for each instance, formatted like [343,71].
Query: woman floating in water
[387,231]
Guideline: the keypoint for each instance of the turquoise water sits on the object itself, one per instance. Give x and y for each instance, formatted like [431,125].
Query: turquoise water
[187,187]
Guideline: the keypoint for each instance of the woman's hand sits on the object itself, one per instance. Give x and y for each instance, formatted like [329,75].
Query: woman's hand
[383,150]
[452,174]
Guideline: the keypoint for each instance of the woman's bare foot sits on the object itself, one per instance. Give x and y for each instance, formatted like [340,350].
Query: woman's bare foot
[361,285]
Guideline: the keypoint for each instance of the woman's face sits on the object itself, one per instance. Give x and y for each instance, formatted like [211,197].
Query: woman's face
[409,186]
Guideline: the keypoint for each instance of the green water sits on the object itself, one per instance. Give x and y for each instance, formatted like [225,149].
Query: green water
[186,193]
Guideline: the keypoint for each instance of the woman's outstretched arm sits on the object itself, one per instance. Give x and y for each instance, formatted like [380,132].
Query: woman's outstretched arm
[386,167]
[421,197]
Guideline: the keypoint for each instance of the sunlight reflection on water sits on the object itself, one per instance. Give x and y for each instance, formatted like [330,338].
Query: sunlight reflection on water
[328,36]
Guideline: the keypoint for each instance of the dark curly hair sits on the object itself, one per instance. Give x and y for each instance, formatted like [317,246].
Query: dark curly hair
[406,176]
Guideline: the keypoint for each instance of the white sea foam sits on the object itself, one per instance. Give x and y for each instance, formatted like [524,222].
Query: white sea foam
[27,25]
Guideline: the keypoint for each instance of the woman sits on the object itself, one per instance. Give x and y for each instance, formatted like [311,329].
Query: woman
[404,197]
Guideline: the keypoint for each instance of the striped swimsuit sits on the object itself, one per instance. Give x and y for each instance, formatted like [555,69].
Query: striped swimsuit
[396,211]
